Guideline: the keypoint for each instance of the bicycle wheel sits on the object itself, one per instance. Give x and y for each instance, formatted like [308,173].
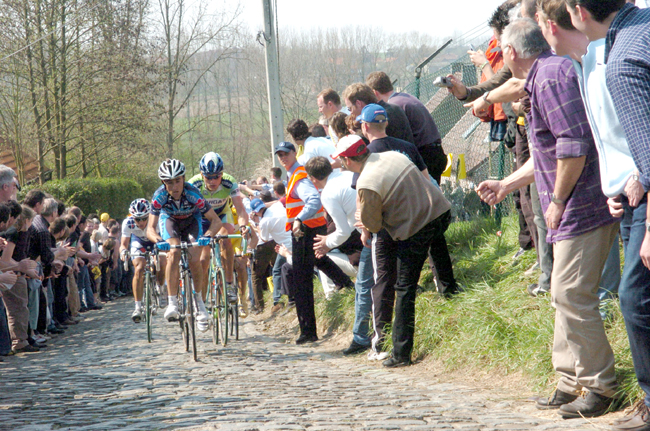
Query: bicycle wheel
[222,306]
[147,303]
[189,316]
[234,310]
[182,306]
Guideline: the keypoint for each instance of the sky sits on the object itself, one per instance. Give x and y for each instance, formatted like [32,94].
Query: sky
[440,18]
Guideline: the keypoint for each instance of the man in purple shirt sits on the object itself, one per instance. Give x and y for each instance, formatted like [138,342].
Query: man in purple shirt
[579,224]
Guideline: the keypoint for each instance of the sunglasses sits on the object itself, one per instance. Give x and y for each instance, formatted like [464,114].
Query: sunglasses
[145,218]
[213,176]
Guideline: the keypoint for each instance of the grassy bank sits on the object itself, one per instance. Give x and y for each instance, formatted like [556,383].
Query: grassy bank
[494,325]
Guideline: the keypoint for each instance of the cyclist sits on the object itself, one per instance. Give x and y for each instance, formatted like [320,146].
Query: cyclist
[176,208]
[241,263]
[219,190]
[134,239]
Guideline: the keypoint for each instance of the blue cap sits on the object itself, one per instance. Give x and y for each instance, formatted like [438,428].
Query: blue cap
[257,205]
[285,146]
[373,113]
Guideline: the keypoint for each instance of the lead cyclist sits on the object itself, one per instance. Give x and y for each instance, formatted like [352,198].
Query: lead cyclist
[220,189]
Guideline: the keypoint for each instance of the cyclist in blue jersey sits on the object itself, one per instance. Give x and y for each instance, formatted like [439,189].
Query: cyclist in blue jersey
[134,239]
[177,208]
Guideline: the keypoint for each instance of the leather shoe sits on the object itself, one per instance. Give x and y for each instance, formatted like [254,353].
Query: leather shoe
[355,348]
[556,400]
[306,339]
[27,349]
[637,420]
[393,362]
[96,307]
[590,406]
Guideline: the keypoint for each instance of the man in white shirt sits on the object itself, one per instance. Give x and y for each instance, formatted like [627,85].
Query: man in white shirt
[339,200]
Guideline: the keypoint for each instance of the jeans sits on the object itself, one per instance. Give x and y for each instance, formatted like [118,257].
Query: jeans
[634,293]
[611,277]
[363,298]
[277,278]
[5,338]
[251,293]
[34,285]
[85,290]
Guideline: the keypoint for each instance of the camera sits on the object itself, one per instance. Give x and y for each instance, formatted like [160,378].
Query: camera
[442,81]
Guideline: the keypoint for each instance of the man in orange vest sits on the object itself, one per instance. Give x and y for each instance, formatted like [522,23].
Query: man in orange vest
[305,220]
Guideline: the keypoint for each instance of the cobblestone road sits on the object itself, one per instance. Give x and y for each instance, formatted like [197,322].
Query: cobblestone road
[103,375]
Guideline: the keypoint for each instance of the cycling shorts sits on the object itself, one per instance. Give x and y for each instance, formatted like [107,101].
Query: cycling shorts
[225,216]
[188,229]
[139,246]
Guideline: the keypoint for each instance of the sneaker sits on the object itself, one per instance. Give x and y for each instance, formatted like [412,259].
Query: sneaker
[355,348]
[171,313]
[231,293]
[277,307]
[590,405]
[377,356]
[535,290]
[39,339]
[202,325]
[519,253]
[137,315]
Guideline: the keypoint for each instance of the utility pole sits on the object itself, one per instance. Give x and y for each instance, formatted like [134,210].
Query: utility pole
[272,78]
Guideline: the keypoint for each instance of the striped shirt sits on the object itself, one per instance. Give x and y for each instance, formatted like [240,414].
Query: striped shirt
[628,80]
[559,130]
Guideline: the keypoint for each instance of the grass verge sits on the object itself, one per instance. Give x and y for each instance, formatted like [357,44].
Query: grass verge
[494,324]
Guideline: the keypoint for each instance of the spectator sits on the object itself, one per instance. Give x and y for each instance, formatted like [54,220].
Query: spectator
[358,95]
[311,146]
[567,175]
[329,103]
[625,30]
[395,196]
[338,126]
[265,255]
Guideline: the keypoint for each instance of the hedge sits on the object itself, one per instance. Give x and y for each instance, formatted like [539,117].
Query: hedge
[111,195]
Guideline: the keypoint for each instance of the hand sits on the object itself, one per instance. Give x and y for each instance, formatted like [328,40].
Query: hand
[634,191]
[554,214]
[491,192]
[297,229]
[516,106]
[71,251]
[479,107]
[9,278]
[366,238]
[458,89]
[123,254]
[243,229]
[615,206]
[163,246]
[58,265]
[204,240]
[26,265]
[320,248]
[645,251]
[477,57]
[283,251]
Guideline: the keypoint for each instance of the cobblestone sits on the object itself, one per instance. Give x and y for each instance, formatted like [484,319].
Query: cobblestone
[103,375]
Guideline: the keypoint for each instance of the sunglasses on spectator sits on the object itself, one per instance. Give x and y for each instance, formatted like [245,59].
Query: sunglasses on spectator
[213,176]
[145,218]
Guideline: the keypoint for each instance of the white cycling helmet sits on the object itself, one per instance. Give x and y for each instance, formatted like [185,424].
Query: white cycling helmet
[170,169]
[211,164]
[140,208]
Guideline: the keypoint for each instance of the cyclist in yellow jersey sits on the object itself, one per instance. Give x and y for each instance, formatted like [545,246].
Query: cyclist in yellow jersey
[221,191]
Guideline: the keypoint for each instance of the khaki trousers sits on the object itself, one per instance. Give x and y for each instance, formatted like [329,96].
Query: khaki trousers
[16,300]
[581,353]
[74,304]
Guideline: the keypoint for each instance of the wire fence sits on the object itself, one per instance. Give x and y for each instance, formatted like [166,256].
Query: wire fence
[472,156]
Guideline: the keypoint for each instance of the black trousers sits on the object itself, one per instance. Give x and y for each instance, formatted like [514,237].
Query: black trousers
[439,255]
[303,278]
[435,159]
[411,255]
[384,260]
[60,305]
[264,258]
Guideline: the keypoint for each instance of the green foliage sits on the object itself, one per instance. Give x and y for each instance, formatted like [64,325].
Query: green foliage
[111,195]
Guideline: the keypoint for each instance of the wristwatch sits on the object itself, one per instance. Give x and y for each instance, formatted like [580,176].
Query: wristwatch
[635,176]
[647,226]
[485,96]
[555,200]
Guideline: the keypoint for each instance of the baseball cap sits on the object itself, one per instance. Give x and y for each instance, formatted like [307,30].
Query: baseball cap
[350,146]
[257,205]
[373,113]
[104,217]
[285,146]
